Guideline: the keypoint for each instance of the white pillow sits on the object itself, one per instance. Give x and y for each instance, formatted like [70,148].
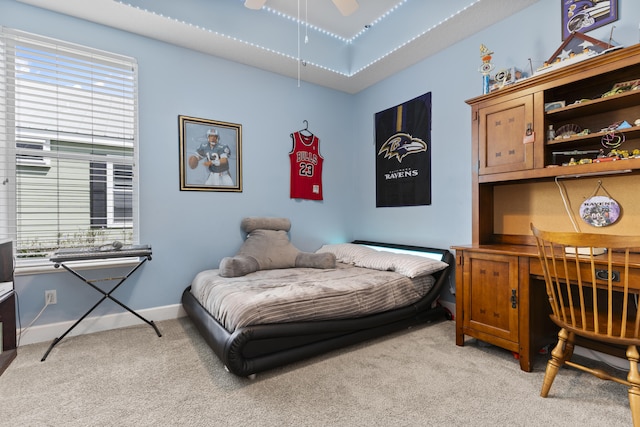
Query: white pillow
[414,265]
[347,253]
[405,264]
[378,260]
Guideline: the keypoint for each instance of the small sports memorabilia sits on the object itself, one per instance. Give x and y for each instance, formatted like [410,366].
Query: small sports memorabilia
[585,15]
[577,47]
[600,211]
[306,165]
[485,68]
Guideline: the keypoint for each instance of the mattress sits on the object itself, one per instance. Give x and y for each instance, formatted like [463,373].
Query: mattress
[305,294]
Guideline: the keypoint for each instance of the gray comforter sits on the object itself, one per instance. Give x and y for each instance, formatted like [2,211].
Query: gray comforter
[304,294]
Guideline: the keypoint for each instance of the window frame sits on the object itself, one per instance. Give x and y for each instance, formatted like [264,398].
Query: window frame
[19,147]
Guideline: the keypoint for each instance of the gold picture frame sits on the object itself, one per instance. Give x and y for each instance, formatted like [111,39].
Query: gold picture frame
[210,155]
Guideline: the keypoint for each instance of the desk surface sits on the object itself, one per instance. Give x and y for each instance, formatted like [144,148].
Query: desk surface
[83,254]
[532,252]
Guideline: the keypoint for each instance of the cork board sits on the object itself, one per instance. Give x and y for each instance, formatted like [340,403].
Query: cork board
[518,205]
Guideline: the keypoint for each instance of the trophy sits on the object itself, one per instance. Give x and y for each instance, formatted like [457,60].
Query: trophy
[485,68]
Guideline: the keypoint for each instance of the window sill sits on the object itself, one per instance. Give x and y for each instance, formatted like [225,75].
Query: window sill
[46,268]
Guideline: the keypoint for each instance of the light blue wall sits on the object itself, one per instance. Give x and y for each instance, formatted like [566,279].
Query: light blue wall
[452,77]
[191,231]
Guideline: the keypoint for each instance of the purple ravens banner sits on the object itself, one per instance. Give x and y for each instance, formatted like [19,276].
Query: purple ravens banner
[403,154]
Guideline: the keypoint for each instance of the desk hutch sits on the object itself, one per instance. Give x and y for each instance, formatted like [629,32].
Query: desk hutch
[518,179]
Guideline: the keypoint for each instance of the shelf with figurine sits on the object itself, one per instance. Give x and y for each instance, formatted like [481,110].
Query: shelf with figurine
[604,112]
[619,130]
[587,157]
[616,99]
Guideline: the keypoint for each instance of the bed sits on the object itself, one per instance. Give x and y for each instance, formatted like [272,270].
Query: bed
[271,318]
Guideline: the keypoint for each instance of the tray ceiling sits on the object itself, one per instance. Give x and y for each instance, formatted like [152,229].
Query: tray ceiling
[305,39]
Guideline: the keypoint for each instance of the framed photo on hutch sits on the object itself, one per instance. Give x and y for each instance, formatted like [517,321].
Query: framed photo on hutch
[210,155]
[586,15]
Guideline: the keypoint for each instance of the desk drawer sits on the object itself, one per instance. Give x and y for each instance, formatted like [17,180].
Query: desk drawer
[535,269]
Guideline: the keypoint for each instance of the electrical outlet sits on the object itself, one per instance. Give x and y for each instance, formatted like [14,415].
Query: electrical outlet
[50,297]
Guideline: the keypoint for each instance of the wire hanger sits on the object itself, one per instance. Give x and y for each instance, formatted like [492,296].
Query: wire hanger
[306,129]
[599,187]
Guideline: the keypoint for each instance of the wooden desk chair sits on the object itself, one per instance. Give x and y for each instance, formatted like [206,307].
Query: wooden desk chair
[607,312]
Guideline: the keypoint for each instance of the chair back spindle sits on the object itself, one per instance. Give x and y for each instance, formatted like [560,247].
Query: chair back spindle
[593,293]
[589,291]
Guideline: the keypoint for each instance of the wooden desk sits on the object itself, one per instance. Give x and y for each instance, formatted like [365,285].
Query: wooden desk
[501,299]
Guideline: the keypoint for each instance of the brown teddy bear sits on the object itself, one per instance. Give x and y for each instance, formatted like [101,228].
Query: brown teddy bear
[267,247]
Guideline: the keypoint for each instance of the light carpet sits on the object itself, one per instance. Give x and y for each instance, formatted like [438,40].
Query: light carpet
[417,377]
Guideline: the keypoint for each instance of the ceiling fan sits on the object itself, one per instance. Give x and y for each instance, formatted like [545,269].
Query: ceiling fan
[346,7]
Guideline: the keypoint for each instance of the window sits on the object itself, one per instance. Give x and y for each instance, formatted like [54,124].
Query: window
[111,195]
[68,141]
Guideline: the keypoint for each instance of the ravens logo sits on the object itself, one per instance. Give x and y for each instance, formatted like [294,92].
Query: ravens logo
[401,145]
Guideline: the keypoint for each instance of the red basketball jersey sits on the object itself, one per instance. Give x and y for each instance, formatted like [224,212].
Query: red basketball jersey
[306,167]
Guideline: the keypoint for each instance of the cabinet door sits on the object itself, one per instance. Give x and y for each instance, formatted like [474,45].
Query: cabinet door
[502,130]
[491,295]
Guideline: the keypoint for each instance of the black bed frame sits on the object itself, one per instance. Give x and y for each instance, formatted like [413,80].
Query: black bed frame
[252,349]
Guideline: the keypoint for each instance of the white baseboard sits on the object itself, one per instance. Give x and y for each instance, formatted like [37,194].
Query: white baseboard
[89,325]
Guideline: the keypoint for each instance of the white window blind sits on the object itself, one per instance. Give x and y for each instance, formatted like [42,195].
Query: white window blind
[68,140]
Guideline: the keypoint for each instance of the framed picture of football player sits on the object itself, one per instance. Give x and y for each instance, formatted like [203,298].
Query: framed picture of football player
[210,155]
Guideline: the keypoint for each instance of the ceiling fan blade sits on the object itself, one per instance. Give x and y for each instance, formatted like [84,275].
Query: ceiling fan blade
[254,4]
[346,7]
